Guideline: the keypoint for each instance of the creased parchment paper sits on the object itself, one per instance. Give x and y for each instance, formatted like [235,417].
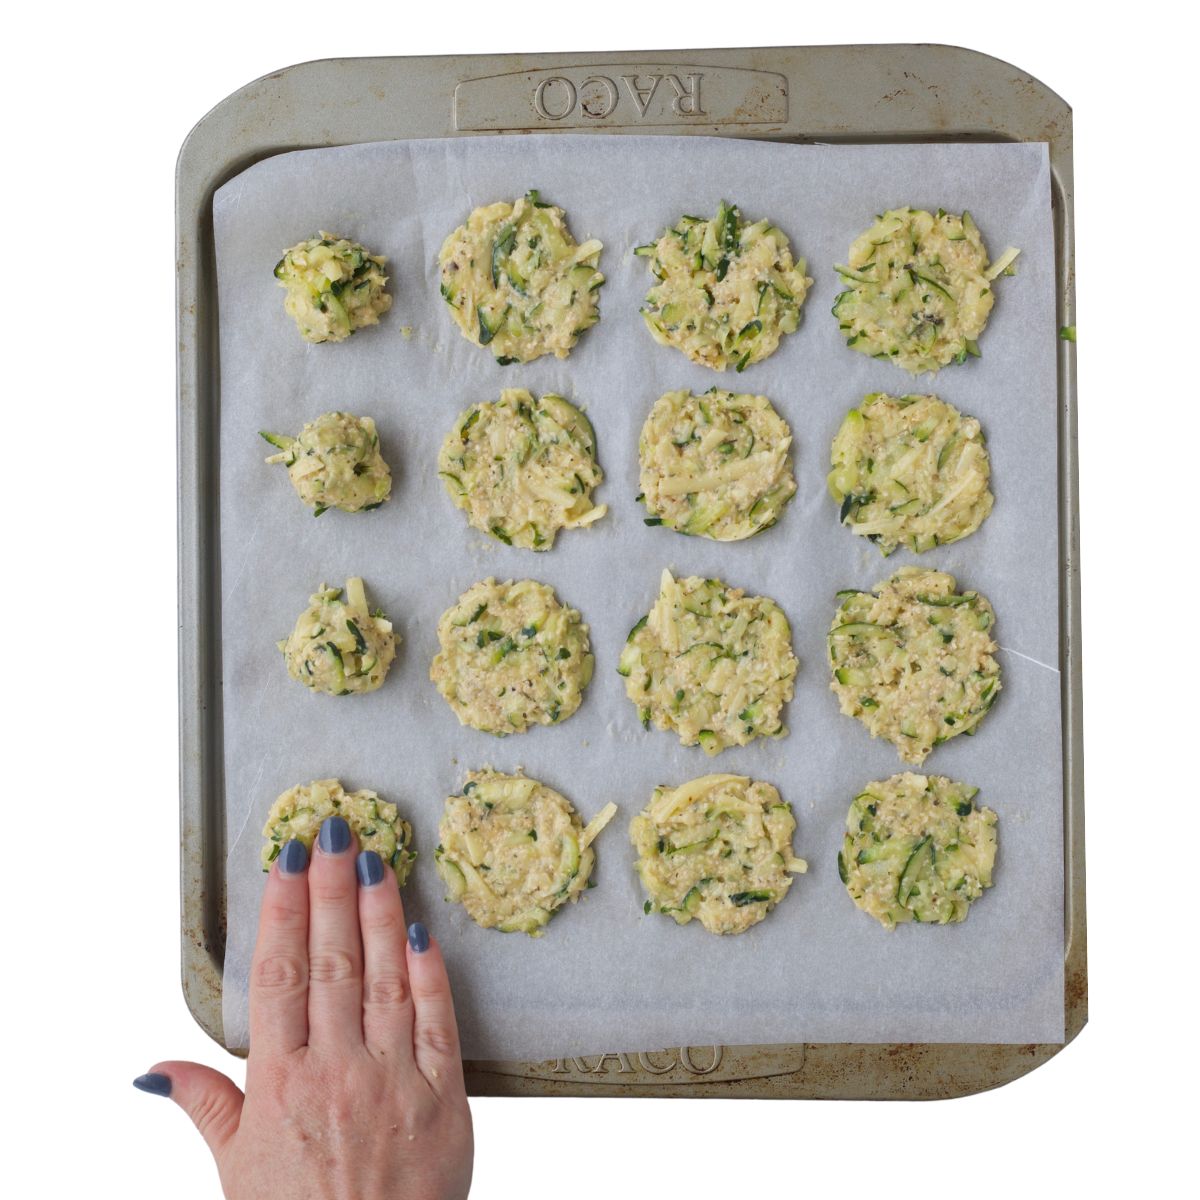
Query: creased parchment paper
[606,977]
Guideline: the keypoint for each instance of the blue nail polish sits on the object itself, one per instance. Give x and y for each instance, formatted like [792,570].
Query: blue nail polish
[370,868]
[334,837]
[293,858]
[156,1085]
[418,937]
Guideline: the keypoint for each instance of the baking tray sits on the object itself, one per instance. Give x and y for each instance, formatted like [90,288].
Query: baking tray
[831,94]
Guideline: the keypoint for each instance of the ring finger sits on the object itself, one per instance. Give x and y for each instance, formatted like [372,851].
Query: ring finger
[387,999]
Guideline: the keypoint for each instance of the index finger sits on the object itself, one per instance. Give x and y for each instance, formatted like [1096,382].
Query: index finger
[279,969]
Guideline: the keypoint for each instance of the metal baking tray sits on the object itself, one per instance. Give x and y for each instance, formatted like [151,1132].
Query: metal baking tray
[832,94]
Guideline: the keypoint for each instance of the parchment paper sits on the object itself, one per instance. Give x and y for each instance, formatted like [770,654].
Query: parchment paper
[606,977]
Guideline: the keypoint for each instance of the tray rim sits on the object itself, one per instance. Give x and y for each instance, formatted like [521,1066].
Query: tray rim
[274,114]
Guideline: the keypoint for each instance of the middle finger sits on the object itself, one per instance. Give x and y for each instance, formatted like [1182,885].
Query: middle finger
[335,958]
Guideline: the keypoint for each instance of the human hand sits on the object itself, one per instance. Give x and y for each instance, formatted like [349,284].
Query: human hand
[354,1084]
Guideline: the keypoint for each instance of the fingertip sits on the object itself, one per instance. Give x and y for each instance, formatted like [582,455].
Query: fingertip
[153,1083]
[335,836]
[370,868]
[427,966]
[293,858]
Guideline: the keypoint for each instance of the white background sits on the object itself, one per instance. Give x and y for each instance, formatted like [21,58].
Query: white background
[98,99]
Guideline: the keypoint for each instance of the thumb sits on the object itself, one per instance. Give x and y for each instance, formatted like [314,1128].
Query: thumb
[212,1100]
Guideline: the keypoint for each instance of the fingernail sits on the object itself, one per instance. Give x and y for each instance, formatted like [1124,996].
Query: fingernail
[293,858]
[418,937]
[156,1085]
[370,868]
[334,836]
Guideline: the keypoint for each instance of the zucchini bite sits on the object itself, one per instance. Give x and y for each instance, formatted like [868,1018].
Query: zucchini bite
[522,469]
[516,282]
[718,465]
[918,289]
[339,646]
[917,849]
[912,660]
[513,851]
[711,663]
[335,462]
[910,471]
[335,287]
[718,849]
[298,814]
[511,657]
[726,290]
